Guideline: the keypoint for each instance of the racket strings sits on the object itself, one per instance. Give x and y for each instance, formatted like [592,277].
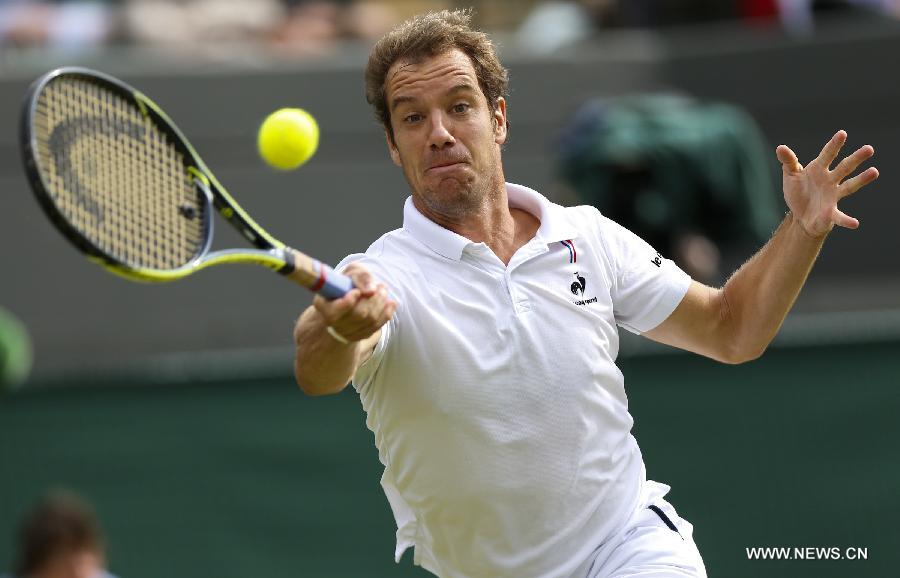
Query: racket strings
[117,178]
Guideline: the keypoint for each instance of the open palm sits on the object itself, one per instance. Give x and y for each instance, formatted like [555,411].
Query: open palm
[812,192]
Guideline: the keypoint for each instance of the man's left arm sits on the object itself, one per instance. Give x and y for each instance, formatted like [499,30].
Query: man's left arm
[737,322]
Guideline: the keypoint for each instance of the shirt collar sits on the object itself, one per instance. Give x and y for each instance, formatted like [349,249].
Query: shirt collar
[554,224]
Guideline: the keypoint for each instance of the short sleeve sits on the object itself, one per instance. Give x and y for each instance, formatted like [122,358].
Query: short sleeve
[647,286]
[365,372]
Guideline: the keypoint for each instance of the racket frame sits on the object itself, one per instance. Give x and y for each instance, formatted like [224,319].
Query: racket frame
[269,252]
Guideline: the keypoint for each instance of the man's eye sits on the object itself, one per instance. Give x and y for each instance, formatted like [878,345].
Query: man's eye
[461,108]
[412,117]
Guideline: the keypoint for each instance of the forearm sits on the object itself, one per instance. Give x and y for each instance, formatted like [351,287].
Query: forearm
[737,323]
[322,364]
[758,297]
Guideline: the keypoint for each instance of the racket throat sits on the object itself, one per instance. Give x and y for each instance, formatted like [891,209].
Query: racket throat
[314,275]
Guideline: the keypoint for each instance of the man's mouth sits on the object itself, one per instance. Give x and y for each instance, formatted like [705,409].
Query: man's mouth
[445,166]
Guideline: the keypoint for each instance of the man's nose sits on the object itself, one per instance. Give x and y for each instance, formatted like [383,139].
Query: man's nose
[440,135]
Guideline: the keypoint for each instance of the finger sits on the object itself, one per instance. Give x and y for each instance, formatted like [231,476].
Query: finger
[389,308]
[362,278]
[363,314]
[788,159]
[832,148]
[850,164]
[339,306]
[844,220]
[370,307]
[370,325]
[381,302]
[850,186]
[333,310]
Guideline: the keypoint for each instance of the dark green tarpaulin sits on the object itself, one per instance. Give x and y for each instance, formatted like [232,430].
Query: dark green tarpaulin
[231,480]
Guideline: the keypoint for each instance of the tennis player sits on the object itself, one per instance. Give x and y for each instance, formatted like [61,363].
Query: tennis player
[483,336]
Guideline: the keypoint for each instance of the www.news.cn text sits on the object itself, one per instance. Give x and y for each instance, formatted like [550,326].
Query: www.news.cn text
[807,553]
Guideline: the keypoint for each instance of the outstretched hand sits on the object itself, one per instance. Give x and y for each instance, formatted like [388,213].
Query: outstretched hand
[812,192]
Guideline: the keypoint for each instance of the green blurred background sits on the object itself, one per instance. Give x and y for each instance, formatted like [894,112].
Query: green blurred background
[252,478]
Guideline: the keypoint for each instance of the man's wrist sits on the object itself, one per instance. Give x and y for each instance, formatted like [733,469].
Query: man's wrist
[794,222]
[336,336]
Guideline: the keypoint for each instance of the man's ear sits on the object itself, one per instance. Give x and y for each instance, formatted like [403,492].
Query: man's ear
[500,126]
[392,148]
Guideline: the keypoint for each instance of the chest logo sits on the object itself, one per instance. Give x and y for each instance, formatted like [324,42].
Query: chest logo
[577,288]
[579,285]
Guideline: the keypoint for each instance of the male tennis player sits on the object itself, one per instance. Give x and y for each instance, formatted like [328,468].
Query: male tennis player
[483,336]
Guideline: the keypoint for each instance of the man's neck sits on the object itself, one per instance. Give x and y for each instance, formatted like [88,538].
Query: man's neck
[503,229]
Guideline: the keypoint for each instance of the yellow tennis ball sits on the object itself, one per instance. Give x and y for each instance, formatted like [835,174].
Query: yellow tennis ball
[288,138]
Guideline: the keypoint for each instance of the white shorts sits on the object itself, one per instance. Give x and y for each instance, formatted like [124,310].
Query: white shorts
[654,543]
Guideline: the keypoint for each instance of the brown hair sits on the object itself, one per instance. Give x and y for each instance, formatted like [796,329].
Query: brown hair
[427,35]
[60,523]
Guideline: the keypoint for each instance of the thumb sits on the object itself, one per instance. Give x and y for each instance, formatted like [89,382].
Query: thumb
[788,159]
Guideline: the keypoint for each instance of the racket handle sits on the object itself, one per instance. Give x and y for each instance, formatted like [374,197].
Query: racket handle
[332,285]
[314,275]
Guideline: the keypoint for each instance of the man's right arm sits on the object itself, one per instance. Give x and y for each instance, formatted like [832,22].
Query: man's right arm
[324,364]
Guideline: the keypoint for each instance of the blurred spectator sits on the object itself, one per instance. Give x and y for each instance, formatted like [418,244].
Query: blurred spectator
[552,25]
[293,27]
[556,23]
[312,25]
[691,178]
[798,16]
[297,27]
[60,538]
[68,25]
[369,20]
[194,22]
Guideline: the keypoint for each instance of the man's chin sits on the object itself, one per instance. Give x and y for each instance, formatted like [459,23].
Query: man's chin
[450,196]
[450,189]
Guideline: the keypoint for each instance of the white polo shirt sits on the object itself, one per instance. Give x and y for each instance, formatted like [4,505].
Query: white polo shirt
[498,411]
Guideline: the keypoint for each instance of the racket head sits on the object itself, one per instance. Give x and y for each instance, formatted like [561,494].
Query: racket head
[115,175]
[123,184]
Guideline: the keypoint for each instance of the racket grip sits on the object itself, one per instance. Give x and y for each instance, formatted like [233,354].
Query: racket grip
[332,285]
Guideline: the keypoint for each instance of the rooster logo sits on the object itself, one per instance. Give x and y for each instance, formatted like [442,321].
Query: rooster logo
[578,286]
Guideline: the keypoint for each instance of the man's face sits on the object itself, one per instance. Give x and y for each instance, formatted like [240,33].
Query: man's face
[77,563]
[446,136]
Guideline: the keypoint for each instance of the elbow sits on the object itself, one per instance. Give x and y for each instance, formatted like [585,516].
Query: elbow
[318,391]
[737,353]
[314,387]
[309,388]
[305,385]
[738,343]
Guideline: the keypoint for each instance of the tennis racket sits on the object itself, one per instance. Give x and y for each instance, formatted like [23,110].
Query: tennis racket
[123,184]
